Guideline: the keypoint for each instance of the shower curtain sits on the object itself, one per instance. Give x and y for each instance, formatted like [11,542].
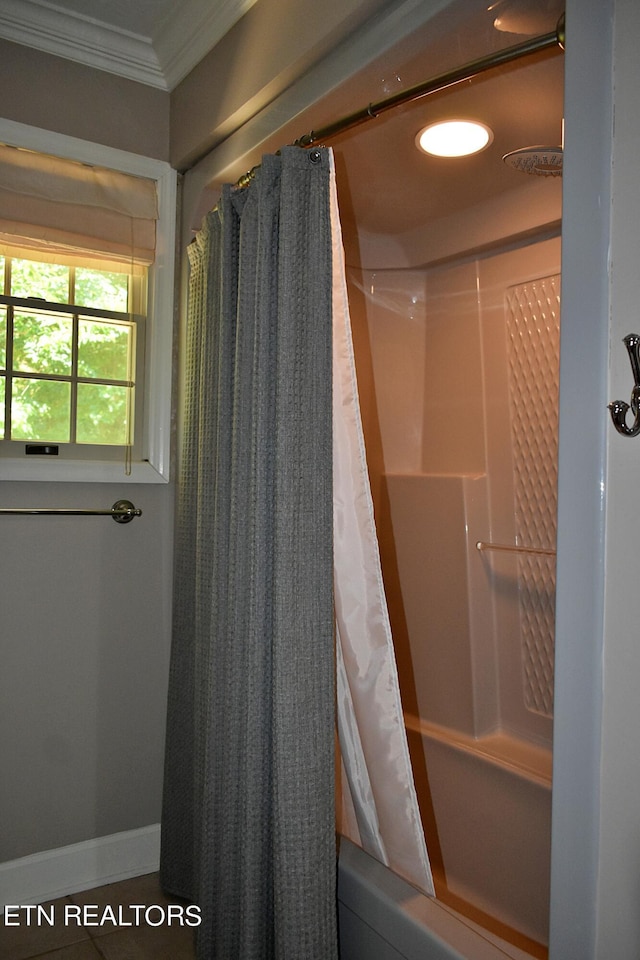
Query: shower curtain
[248,829]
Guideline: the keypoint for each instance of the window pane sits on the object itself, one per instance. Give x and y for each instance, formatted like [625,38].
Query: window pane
[40,410]
[104,350]
[101,289]
[2,405]
[3,337]
[30,278]
[102,413]
[42,343]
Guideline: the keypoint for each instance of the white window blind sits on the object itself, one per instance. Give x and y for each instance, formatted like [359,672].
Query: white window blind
[59,207]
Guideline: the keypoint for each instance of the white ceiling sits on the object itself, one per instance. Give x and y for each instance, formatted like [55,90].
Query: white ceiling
[156,42]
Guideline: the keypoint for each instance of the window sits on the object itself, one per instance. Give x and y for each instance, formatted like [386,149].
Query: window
[86,309]
[70,366]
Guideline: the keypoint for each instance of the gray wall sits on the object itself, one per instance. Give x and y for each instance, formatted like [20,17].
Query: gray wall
[84,602]
[56,94]
[85,640]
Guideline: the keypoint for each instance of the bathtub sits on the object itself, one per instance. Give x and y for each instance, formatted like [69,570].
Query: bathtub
[490,867]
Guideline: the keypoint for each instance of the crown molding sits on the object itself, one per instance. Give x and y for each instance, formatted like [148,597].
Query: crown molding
[73,36]
[193,28]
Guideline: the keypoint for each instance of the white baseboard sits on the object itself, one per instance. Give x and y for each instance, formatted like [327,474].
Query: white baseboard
[80,866]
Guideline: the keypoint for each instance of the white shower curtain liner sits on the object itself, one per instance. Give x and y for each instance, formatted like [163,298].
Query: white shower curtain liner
[379,804]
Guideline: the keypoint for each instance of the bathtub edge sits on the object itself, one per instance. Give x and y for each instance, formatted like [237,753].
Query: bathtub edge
[410,922]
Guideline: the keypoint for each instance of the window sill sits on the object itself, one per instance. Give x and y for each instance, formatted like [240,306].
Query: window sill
[81,471]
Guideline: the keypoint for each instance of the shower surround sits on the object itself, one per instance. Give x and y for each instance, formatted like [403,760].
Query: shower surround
[458,368]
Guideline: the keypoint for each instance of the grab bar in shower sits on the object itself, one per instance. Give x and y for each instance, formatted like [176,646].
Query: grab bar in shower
[123,511]
[508,548]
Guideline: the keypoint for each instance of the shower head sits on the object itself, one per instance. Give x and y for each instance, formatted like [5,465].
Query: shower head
[541,161]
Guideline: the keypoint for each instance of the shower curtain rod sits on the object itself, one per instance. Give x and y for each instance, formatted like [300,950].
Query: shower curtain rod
[427,87]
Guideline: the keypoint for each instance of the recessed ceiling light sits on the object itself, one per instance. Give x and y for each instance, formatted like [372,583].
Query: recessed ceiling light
[454,138]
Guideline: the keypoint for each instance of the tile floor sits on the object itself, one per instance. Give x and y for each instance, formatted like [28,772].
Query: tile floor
[84,937]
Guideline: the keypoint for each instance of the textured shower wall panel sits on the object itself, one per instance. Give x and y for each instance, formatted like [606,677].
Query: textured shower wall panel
[519,293]
[428,521]
[533,331]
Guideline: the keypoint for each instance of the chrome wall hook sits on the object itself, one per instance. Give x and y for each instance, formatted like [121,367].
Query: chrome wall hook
[618,408]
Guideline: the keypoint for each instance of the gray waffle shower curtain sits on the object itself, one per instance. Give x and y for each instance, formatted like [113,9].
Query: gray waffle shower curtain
[249,812]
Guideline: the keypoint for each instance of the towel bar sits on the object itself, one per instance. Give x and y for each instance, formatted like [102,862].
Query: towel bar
[541,551]
[123,511]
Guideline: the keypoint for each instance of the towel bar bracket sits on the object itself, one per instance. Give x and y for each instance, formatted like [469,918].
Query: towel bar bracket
[123,511]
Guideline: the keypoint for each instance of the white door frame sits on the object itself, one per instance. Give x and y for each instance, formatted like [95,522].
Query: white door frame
[595,910]
[581,476]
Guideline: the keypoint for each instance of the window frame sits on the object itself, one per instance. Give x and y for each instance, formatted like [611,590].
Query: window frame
[76,313]
[157,399]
